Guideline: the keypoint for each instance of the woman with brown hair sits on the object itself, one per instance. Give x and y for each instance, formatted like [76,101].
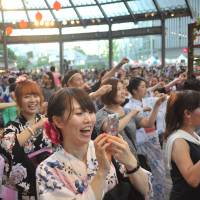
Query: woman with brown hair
[23,137]
[183,144]
[81,169]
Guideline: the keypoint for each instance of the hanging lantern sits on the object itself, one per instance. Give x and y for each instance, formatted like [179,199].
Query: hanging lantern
[57,5]
[38,16]
[23,24]
[185,50]
[9,30]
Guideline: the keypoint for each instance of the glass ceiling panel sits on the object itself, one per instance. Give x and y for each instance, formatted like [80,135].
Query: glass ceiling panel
[83,2]
[12,4]
[107,1]
[36,4]
[142,6]
[10,16]
[46,15]
[66,14]
[171,4]
[64,3]
[90,12]
[115,9]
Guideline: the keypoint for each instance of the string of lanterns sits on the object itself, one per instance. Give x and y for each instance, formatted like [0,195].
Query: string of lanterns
[38,17]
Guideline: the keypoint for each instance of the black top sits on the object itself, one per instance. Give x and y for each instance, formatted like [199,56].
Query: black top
[181,190]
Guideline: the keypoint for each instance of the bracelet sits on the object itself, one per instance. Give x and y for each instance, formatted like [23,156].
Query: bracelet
[133,170]
[30,130]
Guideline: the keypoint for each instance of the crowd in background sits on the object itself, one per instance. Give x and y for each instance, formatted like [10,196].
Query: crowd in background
[53,141]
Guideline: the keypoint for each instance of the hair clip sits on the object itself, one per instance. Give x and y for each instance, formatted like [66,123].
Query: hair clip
[21,78]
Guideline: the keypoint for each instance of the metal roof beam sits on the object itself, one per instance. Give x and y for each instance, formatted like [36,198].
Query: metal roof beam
[84,36]
[102,11]
[2,12]
[25,8]
[77,13]
[50,9]
[157,8]
[129,10]
[192,14]
[119,19]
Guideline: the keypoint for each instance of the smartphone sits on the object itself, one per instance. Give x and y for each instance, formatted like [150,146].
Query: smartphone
[112,124]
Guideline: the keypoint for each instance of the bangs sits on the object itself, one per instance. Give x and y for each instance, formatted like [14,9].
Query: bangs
[83,99]
[25,88]
[30,88]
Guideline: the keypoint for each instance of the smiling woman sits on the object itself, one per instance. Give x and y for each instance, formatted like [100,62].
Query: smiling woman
[81,169]
[23,137]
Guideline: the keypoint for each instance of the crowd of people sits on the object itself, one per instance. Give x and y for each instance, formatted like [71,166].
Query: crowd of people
[93,136]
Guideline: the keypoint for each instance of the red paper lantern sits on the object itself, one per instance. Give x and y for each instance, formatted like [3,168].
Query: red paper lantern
[57,5]
[23,24]
[9,30]
[185,50]
[38,16]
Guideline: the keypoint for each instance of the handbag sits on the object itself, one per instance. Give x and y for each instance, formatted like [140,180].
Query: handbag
[124,190]
[38,156]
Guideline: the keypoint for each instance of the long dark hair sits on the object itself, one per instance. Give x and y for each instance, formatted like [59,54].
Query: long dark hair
[177,103]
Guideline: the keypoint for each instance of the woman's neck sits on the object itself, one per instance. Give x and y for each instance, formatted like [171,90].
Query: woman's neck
[28,117]
[116,109]
[79,152]
[137,97]
[188,129]
[113,107]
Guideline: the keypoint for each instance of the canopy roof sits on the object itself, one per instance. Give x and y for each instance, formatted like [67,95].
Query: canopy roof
[88,12]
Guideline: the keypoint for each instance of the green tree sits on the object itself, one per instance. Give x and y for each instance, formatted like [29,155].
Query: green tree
[11,53]
[22,62]
[43,61]
[116,51]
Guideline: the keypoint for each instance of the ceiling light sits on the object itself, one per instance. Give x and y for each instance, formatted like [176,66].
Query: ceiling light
[64,22]
[47,23]
[52,23]
[36,23]
[41,23]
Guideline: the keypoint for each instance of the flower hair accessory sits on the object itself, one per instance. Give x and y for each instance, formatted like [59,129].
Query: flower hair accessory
[52,133]
[22,78]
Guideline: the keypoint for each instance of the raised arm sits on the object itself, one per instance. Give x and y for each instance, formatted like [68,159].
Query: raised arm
[149,121]
[7,105]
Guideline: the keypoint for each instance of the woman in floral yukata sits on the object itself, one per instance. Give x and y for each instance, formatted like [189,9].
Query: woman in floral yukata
[81,169]
[24,136]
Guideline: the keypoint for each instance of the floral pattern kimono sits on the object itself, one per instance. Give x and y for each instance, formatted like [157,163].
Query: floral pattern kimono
[149,146]
[64,177]
[21,170]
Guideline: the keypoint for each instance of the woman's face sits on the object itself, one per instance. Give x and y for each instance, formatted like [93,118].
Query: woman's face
[78,128]
[121,93]
[30,104]
[77,81]
[195,117]
[141,90]
[154,81]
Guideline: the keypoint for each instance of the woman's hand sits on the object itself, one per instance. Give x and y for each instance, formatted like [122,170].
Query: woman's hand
[134,112]
[40,123]
[103,156]
[147,109]
[161,99]
[121,152]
